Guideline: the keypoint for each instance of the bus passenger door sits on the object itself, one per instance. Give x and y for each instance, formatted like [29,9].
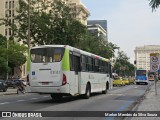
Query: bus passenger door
[76,59]
[74,74]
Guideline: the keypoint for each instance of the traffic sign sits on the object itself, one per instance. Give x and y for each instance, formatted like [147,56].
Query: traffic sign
[154,62]
[154,67]
[154,58]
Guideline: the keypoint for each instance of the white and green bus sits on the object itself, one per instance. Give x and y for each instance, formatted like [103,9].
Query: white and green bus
[61,70]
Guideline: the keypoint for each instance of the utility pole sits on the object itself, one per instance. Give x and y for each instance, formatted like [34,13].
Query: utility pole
[7,60]
[29,23]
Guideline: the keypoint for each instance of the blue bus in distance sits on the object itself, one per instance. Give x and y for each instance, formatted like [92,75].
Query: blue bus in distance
[141,76]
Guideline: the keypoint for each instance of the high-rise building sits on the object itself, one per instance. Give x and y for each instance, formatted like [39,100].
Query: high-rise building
[142,55]
[79,11]
[102,23]
[97,30]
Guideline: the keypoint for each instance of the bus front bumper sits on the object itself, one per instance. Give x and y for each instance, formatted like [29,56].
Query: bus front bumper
[142,81]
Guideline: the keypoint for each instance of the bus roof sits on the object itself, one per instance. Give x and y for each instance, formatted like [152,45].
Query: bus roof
[74,49]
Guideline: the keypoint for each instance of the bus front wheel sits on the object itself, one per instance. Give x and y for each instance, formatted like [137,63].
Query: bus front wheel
[105,91]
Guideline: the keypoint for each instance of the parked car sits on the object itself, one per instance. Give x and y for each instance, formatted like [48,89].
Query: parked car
[126,81]
[118,81]
[10,83]
[3,86]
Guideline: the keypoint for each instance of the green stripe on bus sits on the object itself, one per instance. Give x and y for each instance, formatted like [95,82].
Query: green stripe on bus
[65,61]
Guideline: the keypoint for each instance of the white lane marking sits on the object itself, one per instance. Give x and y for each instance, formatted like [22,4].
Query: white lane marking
[4,103]
[135,87]
[45,96]
[34,98]
[21,100]
[118,94]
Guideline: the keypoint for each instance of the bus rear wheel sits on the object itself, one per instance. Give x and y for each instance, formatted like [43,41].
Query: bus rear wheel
[56,97]
[88,92]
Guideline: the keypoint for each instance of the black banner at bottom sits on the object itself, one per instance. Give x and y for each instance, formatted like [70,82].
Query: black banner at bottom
[79,113]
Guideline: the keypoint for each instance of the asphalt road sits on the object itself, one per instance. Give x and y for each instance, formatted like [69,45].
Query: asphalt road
[117,99]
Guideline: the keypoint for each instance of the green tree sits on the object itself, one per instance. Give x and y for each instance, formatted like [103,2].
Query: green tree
[51,23]
[14,55]
[3,56]
[122,65]
[154,4]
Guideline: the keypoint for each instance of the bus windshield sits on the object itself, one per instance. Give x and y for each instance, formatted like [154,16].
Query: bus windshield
[49,54]
[141,72]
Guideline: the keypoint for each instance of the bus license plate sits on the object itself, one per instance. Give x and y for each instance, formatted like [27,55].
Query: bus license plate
[45,83]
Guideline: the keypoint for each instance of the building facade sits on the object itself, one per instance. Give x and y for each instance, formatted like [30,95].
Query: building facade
[102,23]
[97,30]
[7,10]
[79,11]
[142,55]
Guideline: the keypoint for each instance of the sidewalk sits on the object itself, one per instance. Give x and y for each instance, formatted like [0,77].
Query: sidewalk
[151,102]
[9,91]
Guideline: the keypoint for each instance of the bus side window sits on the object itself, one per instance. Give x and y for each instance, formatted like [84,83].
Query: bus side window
[83,62]
[71,62]
[76,63]
[107,68]
[96,65]
[110,69]
[90,64]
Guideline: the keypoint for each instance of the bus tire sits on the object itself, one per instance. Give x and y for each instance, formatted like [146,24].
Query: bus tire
[88,92]
[105,91]
[56,97]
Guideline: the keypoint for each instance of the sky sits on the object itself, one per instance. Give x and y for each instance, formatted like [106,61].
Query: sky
[131,23]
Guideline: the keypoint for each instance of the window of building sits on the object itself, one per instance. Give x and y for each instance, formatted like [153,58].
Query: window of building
[9,22]
[6,5]
[9,13]
[13,13]
[10,32]
[9,4]
[6,32]
[12,21]
[12,4]
[6,13]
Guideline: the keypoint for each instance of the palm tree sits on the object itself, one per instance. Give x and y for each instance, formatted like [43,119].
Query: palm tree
[154,4]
